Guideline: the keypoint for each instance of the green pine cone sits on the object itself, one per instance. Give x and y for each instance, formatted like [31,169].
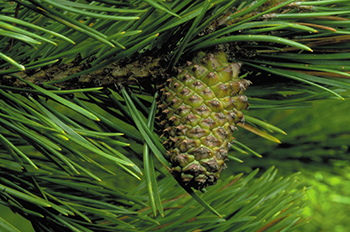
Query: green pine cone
[199,109]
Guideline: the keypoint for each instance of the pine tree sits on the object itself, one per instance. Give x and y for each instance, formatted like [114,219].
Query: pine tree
[81,149]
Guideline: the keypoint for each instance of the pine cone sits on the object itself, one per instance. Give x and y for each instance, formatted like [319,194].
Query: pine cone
[199,109]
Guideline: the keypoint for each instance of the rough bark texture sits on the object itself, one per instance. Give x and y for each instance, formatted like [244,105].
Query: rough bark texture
[131,71]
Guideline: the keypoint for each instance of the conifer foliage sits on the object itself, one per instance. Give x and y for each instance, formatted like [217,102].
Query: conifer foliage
[80,146]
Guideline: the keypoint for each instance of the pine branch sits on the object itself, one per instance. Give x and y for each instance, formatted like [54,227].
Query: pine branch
[59,118]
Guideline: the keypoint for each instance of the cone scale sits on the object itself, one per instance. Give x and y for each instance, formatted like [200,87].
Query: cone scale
[198,110]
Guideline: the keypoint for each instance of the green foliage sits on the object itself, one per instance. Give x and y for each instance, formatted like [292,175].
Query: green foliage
[60,147]
[329,198]
[319,150]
